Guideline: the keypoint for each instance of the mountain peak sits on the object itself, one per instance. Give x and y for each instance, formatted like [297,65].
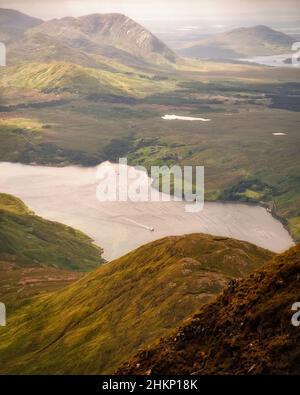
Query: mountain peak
[14,23]
[101,33]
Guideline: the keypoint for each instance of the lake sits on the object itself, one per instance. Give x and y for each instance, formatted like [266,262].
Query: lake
[68,195]
[271,60]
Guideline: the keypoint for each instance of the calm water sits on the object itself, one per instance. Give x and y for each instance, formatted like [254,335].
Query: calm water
[68,195]
[272,60]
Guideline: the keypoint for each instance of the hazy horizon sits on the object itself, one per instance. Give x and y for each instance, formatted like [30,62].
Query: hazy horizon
[172,10]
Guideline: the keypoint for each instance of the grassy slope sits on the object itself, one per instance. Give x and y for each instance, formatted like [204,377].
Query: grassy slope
[245,331]
[29,240]
[19,284]
[107,315]
[68,77]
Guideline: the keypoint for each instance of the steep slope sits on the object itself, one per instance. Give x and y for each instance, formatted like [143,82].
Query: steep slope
[29,240]
[247,330]
[112,35]
[13,24]
[98,322]
[242,42]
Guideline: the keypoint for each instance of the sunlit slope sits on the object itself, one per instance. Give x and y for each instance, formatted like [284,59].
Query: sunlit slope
[62,77]
[28,240]
[247,330]
[100,321]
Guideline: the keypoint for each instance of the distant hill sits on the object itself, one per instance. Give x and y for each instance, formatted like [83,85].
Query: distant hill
[13,24]
[240,43]
[247,330]
[101,320]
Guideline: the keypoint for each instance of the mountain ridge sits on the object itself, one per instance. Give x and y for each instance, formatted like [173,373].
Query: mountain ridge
[13,24]
[246,330]
[122,305]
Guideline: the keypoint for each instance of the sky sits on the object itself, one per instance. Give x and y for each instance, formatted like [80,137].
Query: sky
[160,9]
[176,19]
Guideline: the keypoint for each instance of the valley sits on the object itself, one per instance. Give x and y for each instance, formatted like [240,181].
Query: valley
[244,118]
[89,283]
[68,195]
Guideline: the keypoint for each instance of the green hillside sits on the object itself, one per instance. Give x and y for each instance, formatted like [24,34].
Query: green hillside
[247,330]
[59,77]
[98,322]
[29,240]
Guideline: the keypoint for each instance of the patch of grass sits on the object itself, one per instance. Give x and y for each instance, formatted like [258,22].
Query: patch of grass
[21,124]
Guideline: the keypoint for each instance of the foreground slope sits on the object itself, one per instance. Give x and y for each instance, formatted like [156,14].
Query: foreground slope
[247,330]
[98,322]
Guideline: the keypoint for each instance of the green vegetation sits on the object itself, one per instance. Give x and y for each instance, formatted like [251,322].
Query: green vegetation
[237,147]
[75,95]
[19,284]
[101,320]
[20,125]
[29,240]
[252,320]
[61,77]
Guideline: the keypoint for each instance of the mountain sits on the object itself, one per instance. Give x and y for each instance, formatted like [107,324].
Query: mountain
[240,43]
[91,40]
[37,255]
[112,35]
[13,24]
[100,321]
[247,330]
